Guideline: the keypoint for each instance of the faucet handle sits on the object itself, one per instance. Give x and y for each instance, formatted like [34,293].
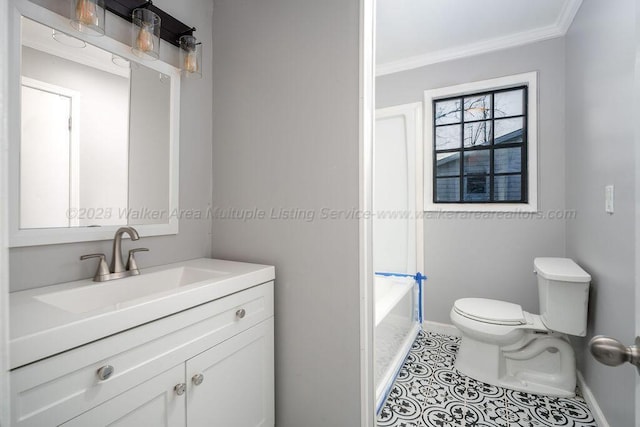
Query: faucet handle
[131,262]
[103,268]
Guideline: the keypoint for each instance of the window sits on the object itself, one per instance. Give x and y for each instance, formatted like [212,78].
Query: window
[480,146]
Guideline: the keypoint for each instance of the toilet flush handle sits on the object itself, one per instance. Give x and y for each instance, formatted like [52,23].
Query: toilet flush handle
[612,352]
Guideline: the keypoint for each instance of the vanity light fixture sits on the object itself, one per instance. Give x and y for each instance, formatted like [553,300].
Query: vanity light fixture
[87,16]
[145,33]
[191,56]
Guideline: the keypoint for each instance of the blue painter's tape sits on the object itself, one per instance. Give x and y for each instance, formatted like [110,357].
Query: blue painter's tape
[420,301]
[380,273]
[420,278]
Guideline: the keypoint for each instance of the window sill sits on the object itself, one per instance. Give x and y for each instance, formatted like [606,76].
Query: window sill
[481,207]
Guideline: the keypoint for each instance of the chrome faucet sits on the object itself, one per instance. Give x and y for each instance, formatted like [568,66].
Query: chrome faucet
[118,269]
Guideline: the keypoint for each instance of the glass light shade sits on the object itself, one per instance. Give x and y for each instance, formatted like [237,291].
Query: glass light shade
[67,40]
[191,57]
[120,61]
[145,34]
[87,16]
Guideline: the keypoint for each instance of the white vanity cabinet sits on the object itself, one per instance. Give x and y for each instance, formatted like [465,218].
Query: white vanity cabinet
[152,403]
[232,383]
[210,365]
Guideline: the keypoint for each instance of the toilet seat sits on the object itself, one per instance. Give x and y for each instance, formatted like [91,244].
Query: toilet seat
[490,311]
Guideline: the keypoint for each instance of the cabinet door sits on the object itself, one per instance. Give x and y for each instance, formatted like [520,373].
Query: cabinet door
[236,388]
[152,403]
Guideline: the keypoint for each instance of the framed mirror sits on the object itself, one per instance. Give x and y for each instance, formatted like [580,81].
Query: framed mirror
[97,146]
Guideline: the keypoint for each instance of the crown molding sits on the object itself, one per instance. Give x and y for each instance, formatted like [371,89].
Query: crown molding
[568,13]
[557,29]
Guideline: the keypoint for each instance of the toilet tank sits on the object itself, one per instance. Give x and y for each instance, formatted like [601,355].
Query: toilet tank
[563,289]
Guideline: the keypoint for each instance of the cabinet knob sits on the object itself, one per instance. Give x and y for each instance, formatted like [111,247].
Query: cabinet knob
[197,379]
[241,313]
[105,372]
[180,389]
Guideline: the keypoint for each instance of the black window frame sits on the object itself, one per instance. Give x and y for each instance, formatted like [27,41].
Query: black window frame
[491,147]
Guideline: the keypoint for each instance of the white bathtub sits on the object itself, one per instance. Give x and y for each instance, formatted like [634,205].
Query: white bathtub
[396,326]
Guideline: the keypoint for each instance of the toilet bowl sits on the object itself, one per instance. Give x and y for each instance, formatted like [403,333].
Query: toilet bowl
[506,346]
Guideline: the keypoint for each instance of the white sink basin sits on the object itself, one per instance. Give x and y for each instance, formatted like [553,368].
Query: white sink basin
[128,291]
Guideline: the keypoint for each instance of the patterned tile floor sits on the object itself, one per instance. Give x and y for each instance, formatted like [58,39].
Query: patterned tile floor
[430,392]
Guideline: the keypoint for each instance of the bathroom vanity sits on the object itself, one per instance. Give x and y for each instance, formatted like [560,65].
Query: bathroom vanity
[189,343]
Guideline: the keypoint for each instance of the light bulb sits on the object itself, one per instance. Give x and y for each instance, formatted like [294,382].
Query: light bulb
[191,61]
[86,12]
[144,41]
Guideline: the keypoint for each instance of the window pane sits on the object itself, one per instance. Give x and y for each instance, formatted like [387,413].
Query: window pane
[477,133]
[447,112]
[507,160]
[507,188]
[448,137]
[448,190]
[447,164]
[509,103]
[476,162]
[508,131]
[477,108]
[476,188]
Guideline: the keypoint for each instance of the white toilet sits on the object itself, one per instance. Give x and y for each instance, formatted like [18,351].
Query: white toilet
[508,347]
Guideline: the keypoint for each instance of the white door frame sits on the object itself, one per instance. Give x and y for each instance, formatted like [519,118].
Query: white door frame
[637,194]
[4,213]
[367,122]
[74,140]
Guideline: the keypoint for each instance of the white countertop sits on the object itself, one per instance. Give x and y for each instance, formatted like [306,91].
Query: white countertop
[39,330]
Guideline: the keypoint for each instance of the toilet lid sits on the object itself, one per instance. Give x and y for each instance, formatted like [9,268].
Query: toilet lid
[490,311]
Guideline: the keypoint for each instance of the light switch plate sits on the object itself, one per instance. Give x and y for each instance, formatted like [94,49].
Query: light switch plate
[608,199]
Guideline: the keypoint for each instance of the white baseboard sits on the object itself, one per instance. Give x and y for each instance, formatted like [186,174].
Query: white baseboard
[441,328]
[591,402]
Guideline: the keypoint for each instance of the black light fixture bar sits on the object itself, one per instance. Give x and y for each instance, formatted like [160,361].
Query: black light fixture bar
[170,28]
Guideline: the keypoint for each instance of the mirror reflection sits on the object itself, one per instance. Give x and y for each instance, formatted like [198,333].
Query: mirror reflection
[95,141]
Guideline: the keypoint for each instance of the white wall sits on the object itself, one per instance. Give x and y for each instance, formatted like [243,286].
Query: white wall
[394,189]
[59,263]
[285,125]
[600,146]
[491,257]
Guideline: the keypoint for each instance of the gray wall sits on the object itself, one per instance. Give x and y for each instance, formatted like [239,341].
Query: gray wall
[492,257]
[285,135]
[600,140]
[41,265]
[149,152]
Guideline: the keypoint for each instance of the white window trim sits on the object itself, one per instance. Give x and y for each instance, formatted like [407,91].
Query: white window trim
[529,79]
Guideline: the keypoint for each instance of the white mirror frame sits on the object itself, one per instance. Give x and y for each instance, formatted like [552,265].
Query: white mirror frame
[46,236]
